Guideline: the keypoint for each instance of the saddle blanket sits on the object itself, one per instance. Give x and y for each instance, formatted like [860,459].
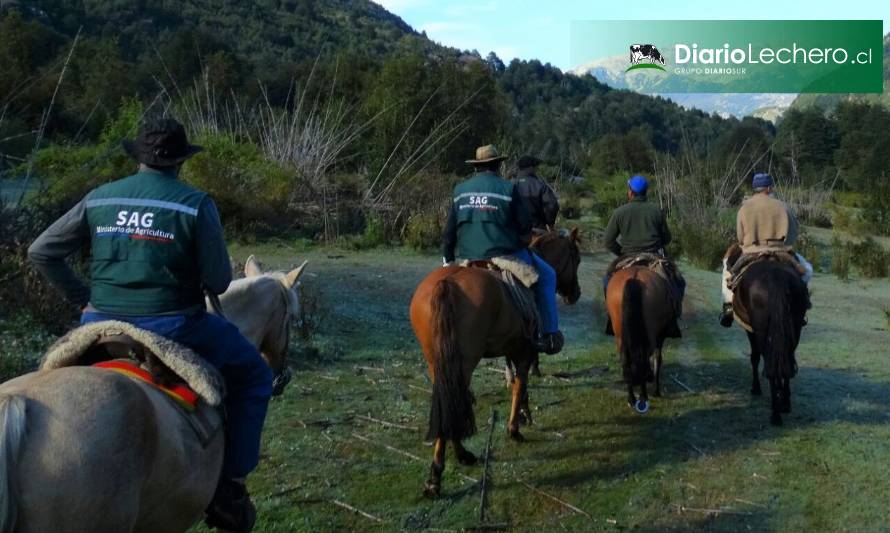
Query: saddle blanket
[182,394]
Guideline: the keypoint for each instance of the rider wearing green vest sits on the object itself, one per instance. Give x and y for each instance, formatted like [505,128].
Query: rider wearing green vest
[157,244]
[488,219]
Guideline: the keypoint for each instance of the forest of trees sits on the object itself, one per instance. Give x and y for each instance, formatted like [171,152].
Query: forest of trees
[381,112]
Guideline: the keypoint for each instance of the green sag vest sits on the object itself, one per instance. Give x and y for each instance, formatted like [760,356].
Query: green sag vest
[143,231]
[485,225]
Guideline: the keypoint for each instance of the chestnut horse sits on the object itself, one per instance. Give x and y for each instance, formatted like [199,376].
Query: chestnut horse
[642,313]
[461,315]
[773,299]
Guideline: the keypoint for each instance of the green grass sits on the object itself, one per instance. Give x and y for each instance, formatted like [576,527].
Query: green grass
[713,449]
[827,469]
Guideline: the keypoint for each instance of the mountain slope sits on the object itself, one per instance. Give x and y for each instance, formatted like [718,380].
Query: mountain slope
[265,30]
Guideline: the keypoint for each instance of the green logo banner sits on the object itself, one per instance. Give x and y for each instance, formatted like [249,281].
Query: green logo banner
[733,56]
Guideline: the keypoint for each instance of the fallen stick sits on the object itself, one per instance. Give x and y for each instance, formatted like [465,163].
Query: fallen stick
[485,468]
[680,383]
[357,511]
[420,388]
[385,423]
[557,500]
[372,369]
[409,455]
[696,448]
[329,378]
[711,511]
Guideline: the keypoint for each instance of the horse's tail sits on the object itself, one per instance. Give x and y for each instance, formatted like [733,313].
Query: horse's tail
[635,345]
[451,405]
[777,340]
[12,432]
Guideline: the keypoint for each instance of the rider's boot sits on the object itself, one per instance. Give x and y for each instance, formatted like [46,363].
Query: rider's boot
[726,315]
[551,343]
[231,508]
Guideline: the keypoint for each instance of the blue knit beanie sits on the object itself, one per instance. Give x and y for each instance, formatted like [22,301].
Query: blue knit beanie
[762,181]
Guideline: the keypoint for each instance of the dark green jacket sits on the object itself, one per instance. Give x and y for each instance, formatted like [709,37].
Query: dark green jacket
[637,226]
[155,242]
[487,219]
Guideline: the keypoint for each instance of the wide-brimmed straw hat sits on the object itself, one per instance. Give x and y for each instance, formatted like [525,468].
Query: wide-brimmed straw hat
[487,154]
[161,142]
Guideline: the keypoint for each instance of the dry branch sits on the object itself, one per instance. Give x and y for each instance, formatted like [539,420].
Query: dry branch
[565,504]
[357,511]
[385,423]
[680,383]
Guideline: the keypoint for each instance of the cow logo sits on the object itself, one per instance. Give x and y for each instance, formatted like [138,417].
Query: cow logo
[645,56]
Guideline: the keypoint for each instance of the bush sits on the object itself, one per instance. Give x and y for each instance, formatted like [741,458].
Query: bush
[810,250]
[250,191]
[570,207]
[870,258]
[609,195]
[703,245]
[840,258]
[423,231]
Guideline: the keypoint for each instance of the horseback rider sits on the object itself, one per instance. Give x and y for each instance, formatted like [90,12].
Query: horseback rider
[639,227]
[537,197]
[157,244]
[764,223]
[487,219]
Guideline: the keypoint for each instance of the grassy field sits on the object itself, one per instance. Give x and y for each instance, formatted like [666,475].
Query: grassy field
[706,459]
[702,460]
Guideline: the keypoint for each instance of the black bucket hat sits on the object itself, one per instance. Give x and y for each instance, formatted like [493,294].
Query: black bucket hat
[528,161]
[161,143]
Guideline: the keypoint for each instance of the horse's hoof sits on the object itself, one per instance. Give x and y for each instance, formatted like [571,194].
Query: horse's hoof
[775,420]
[657,394]
[431,490]
[467,458]
[641,407]
[517,436]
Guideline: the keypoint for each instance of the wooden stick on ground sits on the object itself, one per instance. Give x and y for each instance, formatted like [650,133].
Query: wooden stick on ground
[482,499]
[409,455]
[357,511]
[385,423]
[420,388]
[710,511]
[680,383]
[557,500]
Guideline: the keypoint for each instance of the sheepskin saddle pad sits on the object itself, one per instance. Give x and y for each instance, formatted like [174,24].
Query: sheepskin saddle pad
[142,355]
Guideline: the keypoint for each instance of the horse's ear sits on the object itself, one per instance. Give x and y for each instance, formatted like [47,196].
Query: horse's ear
[291,278]
[252,267]
[574,234]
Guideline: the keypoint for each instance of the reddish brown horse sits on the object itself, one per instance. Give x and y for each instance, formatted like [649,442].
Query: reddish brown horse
[461,315]
[642,313]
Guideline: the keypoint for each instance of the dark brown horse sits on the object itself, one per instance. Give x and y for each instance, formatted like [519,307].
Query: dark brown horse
[642,312]
[772,299]
[461,315]
[561,251]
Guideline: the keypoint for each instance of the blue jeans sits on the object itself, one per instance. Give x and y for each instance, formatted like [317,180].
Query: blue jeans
[545,291]
[248,377]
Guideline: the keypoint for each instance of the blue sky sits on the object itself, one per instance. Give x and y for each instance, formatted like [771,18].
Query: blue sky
[540,29]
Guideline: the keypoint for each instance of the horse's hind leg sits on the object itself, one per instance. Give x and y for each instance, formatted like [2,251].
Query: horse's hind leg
[520,397]
[434,483]
[786,395]
[464,456]
[755,363]
[656,367]
[775,390]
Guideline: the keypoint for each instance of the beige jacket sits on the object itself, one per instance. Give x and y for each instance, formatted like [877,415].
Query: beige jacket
[765,223]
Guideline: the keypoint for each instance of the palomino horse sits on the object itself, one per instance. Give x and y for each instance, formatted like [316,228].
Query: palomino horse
[262,306]
[85,449]
[772,299]
[642,312]
[461,315]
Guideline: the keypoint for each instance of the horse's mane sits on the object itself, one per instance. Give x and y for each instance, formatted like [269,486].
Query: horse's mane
[544,239]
